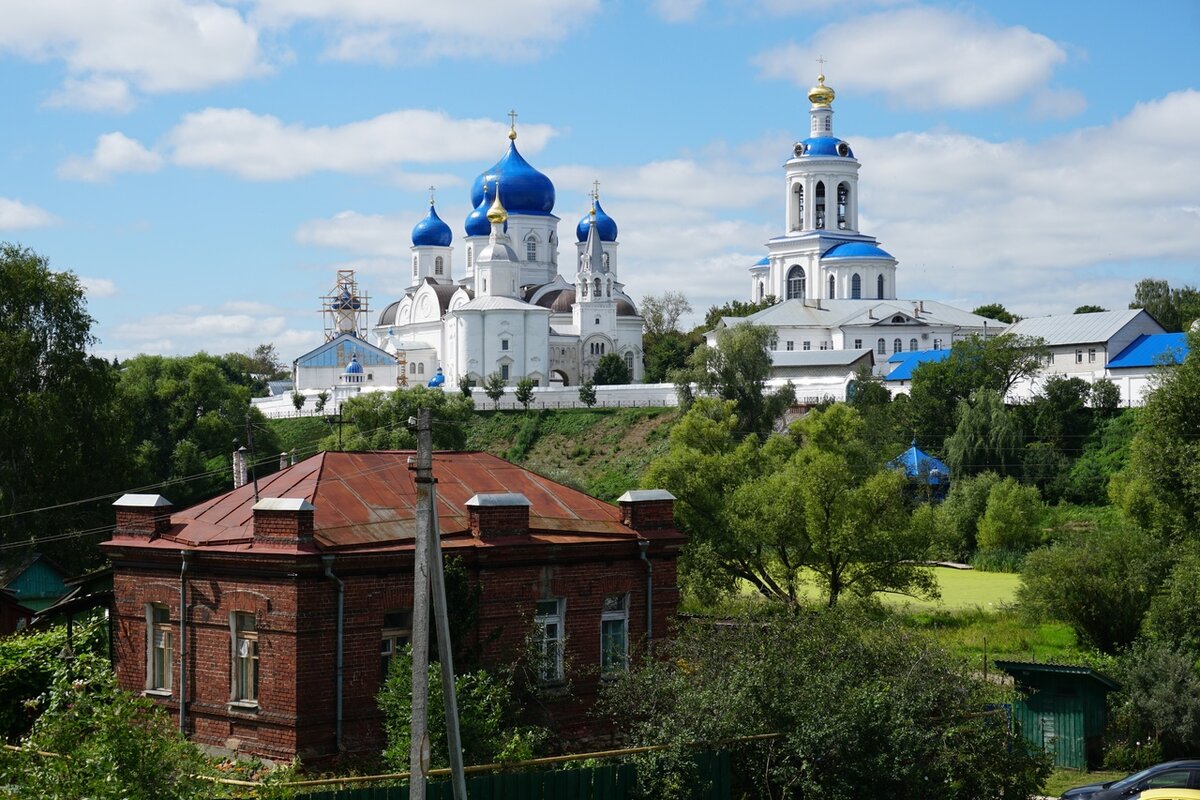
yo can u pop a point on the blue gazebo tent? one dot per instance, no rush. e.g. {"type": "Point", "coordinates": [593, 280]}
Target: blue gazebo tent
{"type": "Point", "coordinates": [920, 466]}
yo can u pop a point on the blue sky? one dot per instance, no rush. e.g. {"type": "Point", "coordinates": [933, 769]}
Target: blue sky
{"type": "Point", "coordinates": [207, 166]}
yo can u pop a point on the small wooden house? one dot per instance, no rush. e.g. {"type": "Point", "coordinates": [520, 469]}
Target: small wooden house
{"type": "Point", "coordinates": [1064, 709]}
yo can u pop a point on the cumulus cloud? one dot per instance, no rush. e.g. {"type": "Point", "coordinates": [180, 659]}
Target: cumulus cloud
{"type": "Point", "coordinates": [114, 153]}
{"type": "Point", "coordinates": [231, 327]}
{"type": "Point", "coordinates": [98, 287]}
{"type": "Point", "coordinates": [15, 215]}
{"type": "Point", "coordinates": [263, 147]}
{"type": "Point", "coordinates": [388, 30]}
{"type": "Point", "coordinates": [923, 58]}
{"type": "Point", "coordinates": [154, 46]}
{"type": "Point", "coordinates": [365, 234]}
{"type": "Point", "coordinates": [677, 10]}
{"type": "Point", "coordinates": [681, 181]}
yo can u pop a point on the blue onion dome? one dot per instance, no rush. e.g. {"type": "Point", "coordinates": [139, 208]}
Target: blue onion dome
{"type": "Point", "coordinates": [477, 222]}
{"type": "Point", "coordinates": [856, 250]}
{"type": "Point", "coordinates": [606, 226]}
{"type": "Point", "coordinates": [354, 368]}
{"type": "Point", "coordinates": [526, 191]}
{"type": "Point", "coordinates": [431, 231]}
{"type": "Point", "coordinates": [823, 146]}
{"type": "Point", "coordinates": [346, 302]}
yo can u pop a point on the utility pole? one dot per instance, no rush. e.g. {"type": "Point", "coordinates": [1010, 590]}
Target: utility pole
{"type": "Point", "coordinates": [441, 616]}
{"type": "Point", "coordinates": [418, 756]}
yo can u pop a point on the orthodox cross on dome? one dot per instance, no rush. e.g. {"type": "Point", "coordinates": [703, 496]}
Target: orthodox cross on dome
{"type": "Point", "coordinates": [512, 124]}
{"type": "Point", "coordinates": [595, 190]}
{"type": "Point", "coordinates": [432, 194]}
{"type": "Point", "coordinates": [821, 62]}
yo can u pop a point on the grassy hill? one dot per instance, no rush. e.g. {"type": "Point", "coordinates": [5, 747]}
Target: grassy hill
{"type": "Point", "coordinates": [600, 451]}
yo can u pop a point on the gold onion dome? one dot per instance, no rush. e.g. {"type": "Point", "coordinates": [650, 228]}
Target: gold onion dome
{"type": "Point", "coordinates": [496, 214]}
{"type": "Point", "coordinates": [821, 95]}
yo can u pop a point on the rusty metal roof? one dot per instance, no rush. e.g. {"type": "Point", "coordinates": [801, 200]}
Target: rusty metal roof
{"type": "Point", "coordinates": [368, 500]}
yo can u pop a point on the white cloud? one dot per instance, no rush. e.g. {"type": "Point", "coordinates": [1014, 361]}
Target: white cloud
{"type": "Point", "coordinates": [683, 182]}
{"type": "Point", "coordinates": [153, 45]}
{"type": "Point", "coordinates": [677, 10]}
{"type": "Point", "coordinates": [262, 147]}
{"type": "Point", "coordinates": [231, 327]}
{"type": "Point", "coordinates": [98, 287]}
{"type": "Point", "coordinates": [114, 153]}
{"type": "Point", "coordinates": [93, 93]}
{"type": "Point", "coordinates": [15, 215]}
{"type": "Point", "coordinates": [923, 58]}
{"type": "Point", "coordinates": [387, 30]}
{"type": "Point", "coordinates": [366, 234]}
{"type": "Point", "coordinates": [985, 220]}
{"type": "Point", "coordinates": [1057, 104]}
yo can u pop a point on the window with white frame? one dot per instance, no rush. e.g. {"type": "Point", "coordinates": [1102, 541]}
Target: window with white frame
{"type": "Point", "coordinates": [881, 347]}
{"type": "Point", "coordinates": [807, 345]}
{"type": "Point", "coordinates": [912, 345]}
{"type": "Point", "coordinates": [414, 266]}
{"type": "Point", "coordinates": [439, 265]}
{"type": "Point", "coordinates": [549, 639]}
{"type": "Point", "coordinates": [897, 346]}
{"type": "Point", "coordinates": [244, 629]}
{"type": "Point", "coordinates": [397, 632]}
{"type": "Point", "coordinates": [937, 344]}
{"type": "Point", "coordinates": [504, 344]}
{"type": "Point", "coordinates": [1078, 356]}
{"type": "Point", "coordinates": [858, 344]}
{"type": "Point", "coordinates": [531, 244]}
{"type": "Point", "coordinates": [1091, 355]}
{"type": "Point", "coordinates": [159, 648]}
{"type": "Point", "coordinates": [791, 345]}
{"type": "Point", "coordinates": [504, 371]}
{"type": "Point", "coordinates": [629, 362]}
{"type": "Point", "coordinates": [470, 258]}
{"type": "Point", "coordinates": [614, 634]}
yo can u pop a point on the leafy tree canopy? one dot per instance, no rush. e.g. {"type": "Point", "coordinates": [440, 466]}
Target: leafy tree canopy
{"type": "Point", "coordinates": [1089, 309]}
{"type": "Point", "coordinates": [735, 308]}
{"type": "Point", "coordinates": [997, 312]}
{"type": "Point", "coordinates": [379, 420]}
{"type": "Point", "coordinates": [867, 709]}
{"type": "Point", "coordinates": [737, 369]}
{"type": "Point", "coordinates": [610, 371]}
{"type": "Point", "coordinates": [1174, 308]}
{"type": "Point", "coordinates": [661, 313]}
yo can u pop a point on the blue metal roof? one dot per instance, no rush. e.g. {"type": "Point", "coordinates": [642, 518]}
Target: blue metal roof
{"type": "Point", "coordinates": [606, 226]}
{"type": "Point", "coordinates": [338, 353]}
{"type": "Point", "coordinates": [1151, 349]}
{"type": "Point", "coordinates": [765, 261]}
{"type": "Point", "coordinates": [856, 250]}
{"type": "Point", "coordinates": [477, 223]}
{"type": "Point", "coordinates": [907, 362]}
{"type": "Point", "coordinates": [916, 463]}
{"type": "Point", "coordinates": [825, 146]}
{"type": "Point", "coordinates": [432, 231]}
{"type": "Point", "coordinates": [523, 190]}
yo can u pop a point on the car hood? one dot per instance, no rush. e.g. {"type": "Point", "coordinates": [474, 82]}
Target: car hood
{"type": "Point", "coordinates": [1083, 792]}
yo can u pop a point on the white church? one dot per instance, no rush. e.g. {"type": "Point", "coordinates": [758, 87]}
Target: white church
{"type": "Point", "coordinates": [835, 284]}
{"type": "Point", "coordinates": [510, 311]}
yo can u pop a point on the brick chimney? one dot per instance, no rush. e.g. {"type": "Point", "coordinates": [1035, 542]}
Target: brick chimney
{"type": "Point", "coordinates": [647, 509]}
{"type": "Point", "coordinates": [143, 516]}
{"type": "Point", "coordinates": [501, 514]}
{"type": "Point", "coordinates": [283, 520]}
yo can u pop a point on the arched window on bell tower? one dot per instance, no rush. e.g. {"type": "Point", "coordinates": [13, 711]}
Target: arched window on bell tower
{"type": "Point", "coordinates": [879, 284]}
{"type": "Point", "coordinates": [856, 286]}
{"type": "Point", "coordinates": [820, 206]}
{"type": "Point", "coordinates": [843, 204]}
{"type": "Point", "coordinates": [832, 288]}
{"type": "Point", "coordinates": [799, 224]}
{"type": "Point", "coordinates": [795, 283]}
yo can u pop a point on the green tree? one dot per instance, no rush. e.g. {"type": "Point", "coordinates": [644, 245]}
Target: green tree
{"type": "Point", "coordinates": [59, 410]}
{"type": "Point", "coordinates": [958, 517]}
{"type": "Point", "coordinates": [866, 709]}
{"type": "Point", "coordinates": [1104, 455]}
{"type": "Point", "coordinates": [661, 313]}
{"type": "Point", "coordinates": [1012, 519]}
{"type": "Point", "coordinates": [666, 353]}
{"type": "Point", "coordinates": [611, 371]}
{"type": "Point", "coordinates": [322, 400]}
{"type": "Point", "coordinates": [1162, 487]}
{"type": "Point", "coordinates": [734, 308]}
{"type": "Point", "coordinates": [1105, 397]}
{"type": "Point", "coordinates": [379, 420]}
{"type": "Point", "coordinates": [994, 364]}
{"type": "Point", "coordinates": [770, 512]}
{"type": "Point", "coordinates": [298, 399]}
{"type": "Point", "coordinates": [465, 385]}
{"type": "Point", "coordinates": [737, 369]}
{"type": "Point", "coordinates": [1159, 698]}
{"type": "Point", "coordinates": [587, 393]}
{"type": "Point", "coordinates": [1175, 309]}
{"type": "Point", "coordinates": [488, 716]}
{"type": "Point", "coordinates": [1099, 582]}
{"type": "Point", "coordinates": [1089, 309]}
{"type": "Point", "coordinates": [986, 438]}
{"type": "Point", "coordinates": [113, 745]}
{"type": "Point", "coordinates": [1174, 615]}
{"type": "Point", "coordinates": [524, 393]}
{"type": "Point", "coordinates": [188, 414]}
{"type": "Point", "coordinates": [493, 387]}
{"type": "Point", "coordinates": [997, 312]}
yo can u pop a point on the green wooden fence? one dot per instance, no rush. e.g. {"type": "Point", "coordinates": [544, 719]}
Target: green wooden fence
{"type": "Point", "coordinates": [604, 782]}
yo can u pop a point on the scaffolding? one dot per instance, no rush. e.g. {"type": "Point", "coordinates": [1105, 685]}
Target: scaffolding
{"type": "Point", "coordinates": [345, 309]}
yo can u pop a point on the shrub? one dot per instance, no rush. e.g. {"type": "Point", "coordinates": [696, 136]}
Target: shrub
{"type": "Point", "coordinates": [1012, 519]}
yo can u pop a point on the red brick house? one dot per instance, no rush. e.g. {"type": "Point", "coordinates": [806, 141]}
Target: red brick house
{"type": "Point", "coordinates": [253, 657]}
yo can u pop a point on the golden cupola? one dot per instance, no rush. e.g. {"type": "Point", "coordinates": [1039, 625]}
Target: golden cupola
{"type": "Point", "coordinates": [821, 95]}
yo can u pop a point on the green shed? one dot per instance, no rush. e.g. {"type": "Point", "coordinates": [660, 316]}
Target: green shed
{"type": "Point", "coordinates": [1064, 709]}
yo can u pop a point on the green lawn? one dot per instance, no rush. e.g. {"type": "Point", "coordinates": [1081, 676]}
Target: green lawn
{"type": "Point", "coordinates": [965, 589]}
{"type": "Point", "coordinates": [1062, 779]}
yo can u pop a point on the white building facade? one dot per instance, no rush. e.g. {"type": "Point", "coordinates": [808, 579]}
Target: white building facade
{"type": "Point", "coordinates": [509, 310]}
